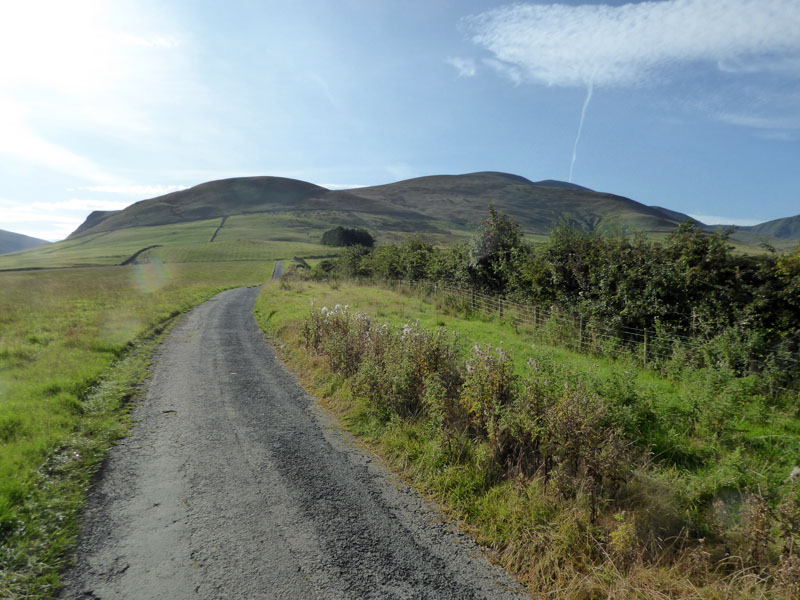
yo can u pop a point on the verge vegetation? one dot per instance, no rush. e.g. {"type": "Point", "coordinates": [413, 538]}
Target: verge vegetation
{"type": "Point", "coordinates": [74, 346]}
{"type": "Point", "coordinates": [743, 310]}
{"type": "Point", "coordinates": [588, 477]}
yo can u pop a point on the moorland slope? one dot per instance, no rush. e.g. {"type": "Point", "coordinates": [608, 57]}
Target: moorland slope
{"type": "Point", "coordinates": [14, 242]}
{"type": "Point", "coordinates": [449, 202]}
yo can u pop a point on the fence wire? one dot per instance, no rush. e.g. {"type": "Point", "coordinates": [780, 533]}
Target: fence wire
{"type": "Point", "coordinates": [555, 325]}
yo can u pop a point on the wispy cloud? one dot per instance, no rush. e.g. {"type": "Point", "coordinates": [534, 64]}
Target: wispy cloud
{"type": "Point", "coordinates": [508, 70]}
{"type": "Point", "coordinates": [716, 220]}
{"type": "Point", "coordinates": [325, 88]}
{"type": "Point", "coordinates": [140, 191]}
{"type": "Point", "coordinates": [46, 225]}
{"type": "Point", "coordinates": [464, 66]}
{"type": "Point", "coordinates": [563, 45]}
{"type": "Point", "coordinates": [80, 204]}
{"type": "Point", "coordinates": [20, 140]}
{"type": "Point", "coordinates": [342, 186]}
{"type": "Point", "coordinates": [783, 125]}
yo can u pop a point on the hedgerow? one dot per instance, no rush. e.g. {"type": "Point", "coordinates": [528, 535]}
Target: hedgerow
{"type": "Point", "coordinates": [582, 452]}
{"type": "Point", "coordinates": [743, 312]}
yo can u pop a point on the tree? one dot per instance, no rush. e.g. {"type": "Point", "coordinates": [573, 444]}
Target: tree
{"type": "Point", "coordinates": [496, 252]}
{"type": "Point", "coordinates": [346, 236]}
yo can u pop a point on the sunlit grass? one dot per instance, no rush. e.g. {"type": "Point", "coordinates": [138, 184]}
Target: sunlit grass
{"type": "Point", "coordinates": [109, 248]}
{"type": "Point", "coordinates": [62, 332]}
{"type": "Point", "coordinates": [238, 251]}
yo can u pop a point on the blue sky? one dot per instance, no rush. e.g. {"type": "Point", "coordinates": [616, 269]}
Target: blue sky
{"type": "Point", "coordinates": [689, 104]}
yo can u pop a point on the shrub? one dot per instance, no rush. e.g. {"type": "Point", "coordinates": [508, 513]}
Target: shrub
{"type": "Point", "coordinates": [346, 236]}
{"type": "Point", "coordinates": [489, 390]}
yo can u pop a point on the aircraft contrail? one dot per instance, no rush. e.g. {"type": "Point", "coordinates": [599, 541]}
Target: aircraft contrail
{"type": "Point", "coordinates": [589, 92]}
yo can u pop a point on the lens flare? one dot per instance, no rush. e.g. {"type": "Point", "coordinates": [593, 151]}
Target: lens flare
{"type": "Point", "coordinates": [150, 276]}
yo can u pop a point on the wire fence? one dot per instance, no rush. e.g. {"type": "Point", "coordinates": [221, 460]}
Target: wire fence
{"type": "Point", "coordinates": [568, 328]}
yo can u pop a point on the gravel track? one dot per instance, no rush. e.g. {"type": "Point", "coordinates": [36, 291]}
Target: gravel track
{"type": "Point", "coordinates": [234, 483]}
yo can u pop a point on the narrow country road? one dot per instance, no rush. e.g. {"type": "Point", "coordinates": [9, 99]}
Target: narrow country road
{"type": "Point", "coordinates": [234, 484]}
{"type": "Point", "coordinates": [278, 272]}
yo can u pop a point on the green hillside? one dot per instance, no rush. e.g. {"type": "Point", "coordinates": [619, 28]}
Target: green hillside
{"type": "Point", "coordinates": [247, 195]}
{"type": "Point", "coordinates": [439, 204]}
{"type": "Point", "coordinates": [274, 214]}
{"type": "Point", "coordinates": [14, 242]}
{"type": "Point", "coordinates": [786, 229]}
{"type": "Point", "coordinates": [441, 207]}
{"type": "Point", "coordinates": [462, 199]}
{"type": "Point", "coordinates": [177, 243]}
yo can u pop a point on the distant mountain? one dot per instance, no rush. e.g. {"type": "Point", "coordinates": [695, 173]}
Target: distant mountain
{"type": "Point", "coordinates": [787, 228]}
{"type": "Point", "coordinates": [442, 204]}
{"type": "Point", "coordinates": [243, 195]}
{"type": "Point", "coordinates": [538, 206]}
{"type": "Point", "coordinates": [14, 242]}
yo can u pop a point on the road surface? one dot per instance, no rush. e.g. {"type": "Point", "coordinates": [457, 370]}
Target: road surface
{"type": "Point", "coordinates": [278, 272]}
{"type": "Point", "coordinates": [235, 484]}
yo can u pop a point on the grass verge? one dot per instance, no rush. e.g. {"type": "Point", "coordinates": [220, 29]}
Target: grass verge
{"type": "Point", "coordinates": [75, 345]}
{"type": "Point", "coordinates": [704, 509]}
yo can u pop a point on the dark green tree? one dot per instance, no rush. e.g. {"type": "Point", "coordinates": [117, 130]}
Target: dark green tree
{"type": "Point", "coordinates": [346, 236]}
{"type": "Point", "coordinates": [496, 252]}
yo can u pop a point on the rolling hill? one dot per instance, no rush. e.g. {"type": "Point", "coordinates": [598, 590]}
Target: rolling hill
{"type": "Point", "coordinates": [250, 218]}
{"type": "Point", "coordinates": [245, 195]}
{"type": "Point", "coordinates": [14, 242]}
{"type": "Point", "coordinates": [787, 228]}
{"type": "Point", "coordinates": [438, 203]}
{"type": "Point", "coordinates": [537, 206]}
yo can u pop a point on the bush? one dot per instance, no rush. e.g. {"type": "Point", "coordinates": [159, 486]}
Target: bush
{"type": "Point", "coordinates": [535, 427]}
{"type": "Point", "coordinates": [345, 236]}
{"type": "Point", "coordinates": [489, 390]}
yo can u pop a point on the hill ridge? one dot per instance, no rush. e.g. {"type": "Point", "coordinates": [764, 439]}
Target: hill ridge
{"type": "Point", "coordinates": [423, 204]}
{"type": "Point", "coordinates": [11, 241]}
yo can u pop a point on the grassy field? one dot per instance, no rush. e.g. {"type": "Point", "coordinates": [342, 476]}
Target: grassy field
{"type": "Point", "coordinates": [109, 248]}
{"type": "Point", "coordinates": [182, 242]}
{"type": "Point", "coordinates": [705, 449]}
{"type": "Point", "coordinates": [74, 346]}
{"type": "Point", "coordinates": [278, 235]}
{"type": "Point", "coordinates": [238, 251]}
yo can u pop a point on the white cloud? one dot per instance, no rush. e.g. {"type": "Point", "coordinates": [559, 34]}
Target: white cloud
{"type": "Point", "coordinates": [759, 122]}
{"type": "Point", "coordinates": [508, 70]}
{"type": "Point", "coordinates": [342, 186]}
{"type": "Point", "coordinates": [18, 139]}
{"type": "Point", "coordinates": [81, 204]}
{"type": "Point", "coordinates": [562, 45]}
{"type": "Point", "coordinates": [715, 220]}
{"type": "Point", "coordinates": [465, 66]}
{"type": "Point", "coordinates": [778, 65]}
{"type": "Point", "coordinates": [778, 128]}
{"type": "Point", "coordinates": [140, 191]}
{"type": "Point", "coordinates": [47, 225]}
